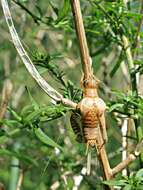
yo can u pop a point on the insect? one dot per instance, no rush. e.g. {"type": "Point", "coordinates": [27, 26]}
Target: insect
{"type": "Point", "coordinates": [92, 118]}
{"type": "Point", "coordinates": [91, 109]}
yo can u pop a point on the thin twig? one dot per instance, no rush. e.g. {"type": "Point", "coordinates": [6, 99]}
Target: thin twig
{"type": "Point", "coordinates": [35, 18]}
{"type": "Point", "coordinates": [131, 157]}
{"type": "Point", "coordinates": [86, 60]}
{"type": "Point", "coordinates": [103, 158]}
{"type": "Point", "coordinates": [20, 180]}
{"type": "Point", "coordinates": [64, 178]}
{"type": "Point", "coordinates": [123, 164]}
{"type": "Point", "coordinates": [124, 130]}
{"type": "Point", "coordinates": [52, 93]}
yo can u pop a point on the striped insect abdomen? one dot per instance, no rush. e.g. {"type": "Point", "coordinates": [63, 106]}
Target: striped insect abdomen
{"type": "Point", "coordinates": [90, 111]}
{"type": "Point", "coordinates": [90, 124]}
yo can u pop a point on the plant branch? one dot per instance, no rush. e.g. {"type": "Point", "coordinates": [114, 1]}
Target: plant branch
{"type": "Point", "coordinates": [133, 78]}
{"type": "Point", "coordinates": [52, 93]}
{"type": "Point", "coordinates": [123, 164]}
{"type": "Point", "coordinates": [131, 157]}
{"type": "Point", "coordinates": [103, 157]}
{"type": "Point", "coordinates": [130, 61]}
{"type": "Point", "coordinates": [127, 49]}
{"type": "Point", "coordinates": [20, 180]}
{"type": "Point", "coordinates": [124, 130]}
{"type": "Point", "coordinates": [34, 17]}
{"type": "Point", "coordinates": [85, 57]}
{"type": "Point", "coordinates": [88, 75]}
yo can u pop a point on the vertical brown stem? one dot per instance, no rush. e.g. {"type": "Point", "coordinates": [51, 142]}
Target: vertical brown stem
{"type": "Point", "coordinates": [102, 155]}
{"type": "Point", "coordinates": [85, 57]}
{"type": "Point", "coordinates": [20, 180]}
{"type": "Point", "coordinates": [87, 69]}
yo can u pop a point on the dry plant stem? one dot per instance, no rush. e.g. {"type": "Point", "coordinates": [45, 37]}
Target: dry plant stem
{"type": "Point", "coordinates": [131, 157]}
{"type": "Point", "coordinates": [6, 93]}
{"type": "Point", "coordinates": [103, 157]}
{"type": "Point", "coordinates": [88, 74]}
{"type": "Point", "coordinates": [52, 93]}
{"type": "Point", "coordinates": [123, 164]}
{"type": "Point", "coordinates": [86, 60]}
{"type": "Point", "coordinates": [20, 180]}
{"type": "Point", "coordinates": [124, 130]}
{"type": "Point", "coordinates": [108, 173]}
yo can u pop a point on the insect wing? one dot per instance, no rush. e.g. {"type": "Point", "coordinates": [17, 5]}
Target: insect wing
{"type": "Point", "coordinates": [75, 121]}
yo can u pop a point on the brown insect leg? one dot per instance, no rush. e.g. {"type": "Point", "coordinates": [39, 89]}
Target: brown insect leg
{"type": "Point", "coordinates": [88, 162]}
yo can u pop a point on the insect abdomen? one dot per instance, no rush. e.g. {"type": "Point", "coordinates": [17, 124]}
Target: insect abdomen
{"type": "Point", "coordinates": [90, 124]}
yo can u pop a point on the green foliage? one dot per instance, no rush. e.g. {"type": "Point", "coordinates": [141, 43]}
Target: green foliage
{"type": "Point", "coordinates": [139, 68]}
{"type": "Point", "coordinates": [128, 104]}
{"type": "Point", "coordinates": [46, 61]}
{"type": "Point", "coordinates": [45, 139]}
{"type": "Point", "coordinates": [30, 116]}
{"type": "Point", "coordinates": [61, 13]}
{"type": "Point", "coordinates": [133, 182]}
{"type": "Point", "coordinates": [18, 155]}
{"type": "Point", "coordinates": [47, 150]}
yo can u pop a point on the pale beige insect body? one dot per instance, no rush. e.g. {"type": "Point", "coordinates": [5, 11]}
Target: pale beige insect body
{"type": "Point", "coordinates": [91, 110]}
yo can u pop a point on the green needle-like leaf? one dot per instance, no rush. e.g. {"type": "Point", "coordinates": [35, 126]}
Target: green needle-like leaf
{"type": "Point", "coordinates": [45, 139]}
